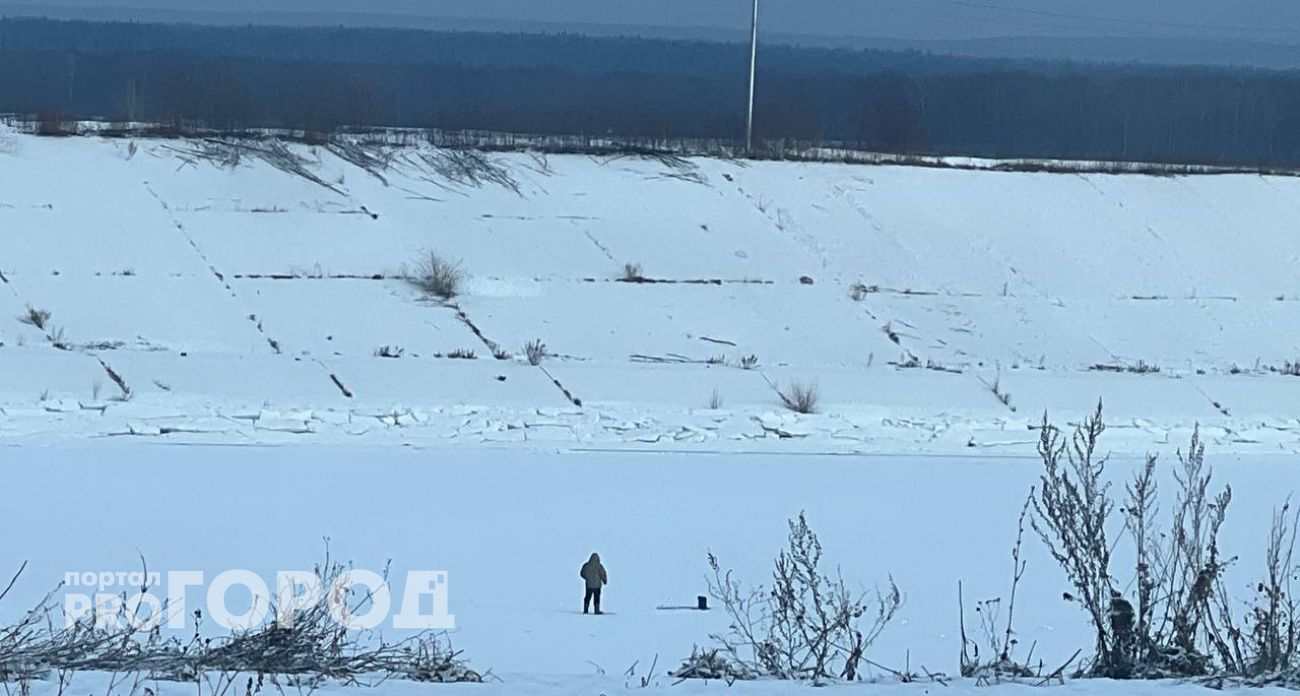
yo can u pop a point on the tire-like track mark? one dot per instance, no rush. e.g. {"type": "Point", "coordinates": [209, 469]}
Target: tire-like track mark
{"type": "Point", "coordinates": [222, 278]}
{"type": "Point", "coordinates": [495, 348]}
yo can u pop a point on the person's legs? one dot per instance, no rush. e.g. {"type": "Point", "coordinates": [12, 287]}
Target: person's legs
{"type": "Point", "coordinates": [596, 593]}
{"type": "Point", "coordinates": [586, 601]}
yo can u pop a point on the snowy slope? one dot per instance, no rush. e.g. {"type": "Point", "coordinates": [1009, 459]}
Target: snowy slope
{"type": "Point", "coordinates": [243, 298]}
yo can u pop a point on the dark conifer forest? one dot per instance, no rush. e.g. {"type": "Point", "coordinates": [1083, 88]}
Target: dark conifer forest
{"type": "Point", "coordinates": [906, 102]}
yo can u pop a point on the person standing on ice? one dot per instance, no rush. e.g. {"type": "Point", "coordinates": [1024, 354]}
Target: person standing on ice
{"type": "Point", "coordinates": [593, 573]}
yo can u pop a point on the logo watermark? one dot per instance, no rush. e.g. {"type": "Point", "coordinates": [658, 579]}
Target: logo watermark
{"type": "Point", "coordinates": [353, 598]}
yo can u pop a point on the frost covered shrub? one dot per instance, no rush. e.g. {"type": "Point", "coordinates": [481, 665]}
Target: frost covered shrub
{"type": "Point", "coordinates": [431, 659]}
{"type": "Point", "coordinates": [1156, 632]}
{"type": "Point", "coordinates": [800, 398]}
{"type": "Point", "coordinates": [632, 273]}
{"type": "Point", "coordinates": [437, 276]}
{"type": "Point", "coordinates": [35, 317]}
{"type": "Point", "coordinates": [313, 644]}
{"type": "Point", "coordinates": [998, 662]}
{"type": "Point", "coordinates": [1290, 367]}
{"type": "Point", "coordinates": [1178, 620]}
{"type": "Point", "coordinates": [1271, 635]}
{"type": "Point", "coordinates": [808, 626]}
{"type": "Point", "coordinates": [311, 648]}
{"type": "Point", "coordinates": [535, 351]}
{"type": "Point", "coordinates": [712, 663]}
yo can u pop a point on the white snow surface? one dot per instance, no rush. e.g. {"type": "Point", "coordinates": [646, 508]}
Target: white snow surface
{"type": "Point", "coordinates": [229, 296]}
{"type": "Point", "coordinates": [239, 303]}
{"type": "Point", "coordinates": [512, 527]}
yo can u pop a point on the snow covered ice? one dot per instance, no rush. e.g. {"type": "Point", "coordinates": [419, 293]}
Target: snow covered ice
{"type": "Point", "coordinates": [232, 366]}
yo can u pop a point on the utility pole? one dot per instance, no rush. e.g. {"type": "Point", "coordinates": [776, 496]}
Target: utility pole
{"type": "Point", "coordinates": [753, 66]}
{"type": "Point", "coordinates": [72, 81]}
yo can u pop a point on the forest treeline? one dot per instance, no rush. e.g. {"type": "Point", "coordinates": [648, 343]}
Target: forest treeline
{"type": "Point", "coordinates": [906, 102]}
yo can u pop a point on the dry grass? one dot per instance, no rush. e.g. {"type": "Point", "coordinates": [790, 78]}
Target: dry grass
{"type": "Point", "coordinates": [437, 276]}
{"type": "Point", "coordinates": [536, 352]}
{"type": "Point", "coordinates": [1290, 368]}
{"type": "Point", "coordinates": [800, 398]}
{"type": "Point", "coordinates": [35, 317]}
{"type": "Point", "coordinates": [632, 272]}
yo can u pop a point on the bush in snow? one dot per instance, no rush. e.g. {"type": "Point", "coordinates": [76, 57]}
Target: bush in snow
{"type": "Point", "coordinates": [632, 273]}
{"type": "Point", "coordinates": [312, 647]}
{"type": "Point", "coordinates": [430, 659]}
{"type": "Point", "coordinates": [800, 398]}
{"type": "Point", "coordinates": [437, 276]}
{"type": "Point", "coordinates": [1272, 636]}
{"type": "Point", "coordinates": [1290, 367]}
{"type": "Point", "coordinates": [1179, 620]}
{"type": "Point", "coordinates": [314, 644]}
{"type": "Point", "coordinates": [808, 626]}
{"type": "Point", "coordinates": [535, 351]}
{"type": "Point", "coordinates": [712, 664]}
{"type": "Point", "coordinates": [998, 662]}
{"type": "Point", "coordinates": [35, 317]}
{"type": "Point", "coordinates": [999, 393]}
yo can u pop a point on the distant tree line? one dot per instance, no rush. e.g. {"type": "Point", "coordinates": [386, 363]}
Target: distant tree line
{"type": "Point", "coordinates": [324, 78]}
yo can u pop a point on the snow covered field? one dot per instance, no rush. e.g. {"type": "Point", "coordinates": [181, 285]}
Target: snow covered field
{"type": "Point", "coordinates": [205, 385]}
{"type": "Point", "coordinates": [929, 522]}
{"type": "Point", "coordinates": [243, 298]}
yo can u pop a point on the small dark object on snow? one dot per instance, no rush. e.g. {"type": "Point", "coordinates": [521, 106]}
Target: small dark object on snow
{"type": "Point", "coordinates": [701, 604]}
{"type": "Point", "coordinates": [501, 378]}
{"type": "Point", "coordinates": [806, 280]}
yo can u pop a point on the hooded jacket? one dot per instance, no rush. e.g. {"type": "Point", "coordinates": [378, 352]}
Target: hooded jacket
{"type": "Point", "coordinates": [594, 573]}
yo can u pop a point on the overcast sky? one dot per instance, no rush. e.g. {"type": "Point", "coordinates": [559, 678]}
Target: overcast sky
{"type": "Point", "coordinates": [1259, 20]}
